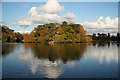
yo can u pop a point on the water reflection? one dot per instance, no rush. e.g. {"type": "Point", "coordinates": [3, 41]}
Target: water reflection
{"type": "Point", "coordinates": [7, 49]}
{"type": "Point", "coordinates": [101, 44]}
{"type": "Point", "coordinates": [104, 52]}
{"type": "Point", "coordinates": [51, 60]}
{"type": "Point", "coordinates": [48, 59]}
{"type": "Point", "coordinates": [43, 66]}
{"type": "Point", "coordinates": [55, 52]}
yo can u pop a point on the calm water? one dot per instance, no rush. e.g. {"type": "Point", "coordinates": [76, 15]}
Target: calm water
{"type": "Point", "coordinates": [98, 60]}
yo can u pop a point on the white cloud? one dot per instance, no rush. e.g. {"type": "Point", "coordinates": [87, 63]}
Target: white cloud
{"type": "Point", "coordinates": [102, 25]}
{"type": "Point", "coordinates": [47, 13]}
{"type": "Point", "coordinates": [52, 7]}
{"type": "Point", "coordinates": [70, 17]}
{"type": "Point", "coordinates": [23, 32]}
{"type": "Point", "coordinates": [33, 11]}
{"type": "Point", "coordinates": [45, 18]}
{"type": "Point", "coordinates": [24, 23]}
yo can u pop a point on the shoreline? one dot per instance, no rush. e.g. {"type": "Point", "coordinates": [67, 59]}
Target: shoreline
{"type": "Point", "coordinates": [118, 42]}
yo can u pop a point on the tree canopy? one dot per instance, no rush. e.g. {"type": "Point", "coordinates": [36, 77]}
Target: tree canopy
{"type": "Point", "coordinates": [52, 32]}
{"type": "Point", "coordinates": [57, 33]}
{"type": "Point", "coordinates": [8, 35]}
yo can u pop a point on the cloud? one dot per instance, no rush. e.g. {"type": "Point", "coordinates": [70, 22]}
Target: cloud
{"type": "Point", "coordinates": [24, 23]}
{"type": "Point", "coordinates": [102, 25]}
{"type": "Point", "coordinates": [23, 32]}
{"type": "Point", "coordinates": [70, 17]}
{"type": "Point", "coordinates": [47, 13]}
{"type": "Point", "coordinates": [33, 11]}
{"type": "Point", "coordinates": [51, 7]}
{"type": "Point", "coordinates": [45, 18]}
{"type": "Point", "coordinates": [119, 24]}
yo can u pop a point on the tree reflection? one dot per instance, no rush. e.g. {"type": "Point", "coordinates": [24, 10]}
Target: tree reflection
{"type": "Point", "coordinates": [48, 60]}
{"type": "Point", "coordinates": [7, 49]}
{"type": "Point", "coordinates": [101, 44]}
{"type": "Point", "coordinates": [65, 52]}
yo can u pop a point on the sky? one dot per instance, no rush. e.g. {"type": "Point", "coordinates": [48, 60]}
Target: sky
{"type": "Point", "coordinates": [61, 0]}
{"type": "Point", "coordinates": [94, 16]}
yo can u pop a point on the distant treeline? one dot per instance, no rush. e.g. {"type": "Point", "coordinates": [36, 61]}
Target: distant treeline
{"type": "Point", "coordinates": [53, 32]}
{"type": "Point", "coordinates": [106, 37]}
{"type": "Point", "coordinates": [8, 35]}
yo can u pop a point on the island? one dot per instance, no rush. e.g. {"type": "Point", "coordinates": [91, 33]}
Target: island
{"type": "Point", "coordinates": [55, 33]}
{"type": "Point", "coordinates": [50, 33]}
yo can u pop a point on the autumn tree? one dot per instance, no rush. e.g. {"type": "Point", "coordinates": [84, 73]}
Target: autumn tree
{"type": "Point", "coordinates": [8, 35]}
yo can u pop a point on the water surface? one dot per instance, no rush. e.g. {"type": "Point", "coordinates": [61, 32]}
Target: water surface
{"type": "Point", "coordinates": [81, 60]}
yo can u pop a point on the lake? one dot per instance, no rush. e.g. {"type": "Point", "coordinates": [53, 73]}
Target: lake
{"type": "Point", "coordinates": [80, 60]}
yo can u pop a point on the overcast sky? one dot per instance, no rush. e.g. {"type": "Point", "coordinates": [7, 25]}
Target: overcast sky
{"type": "Point", "coordinates": [94, 16]}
